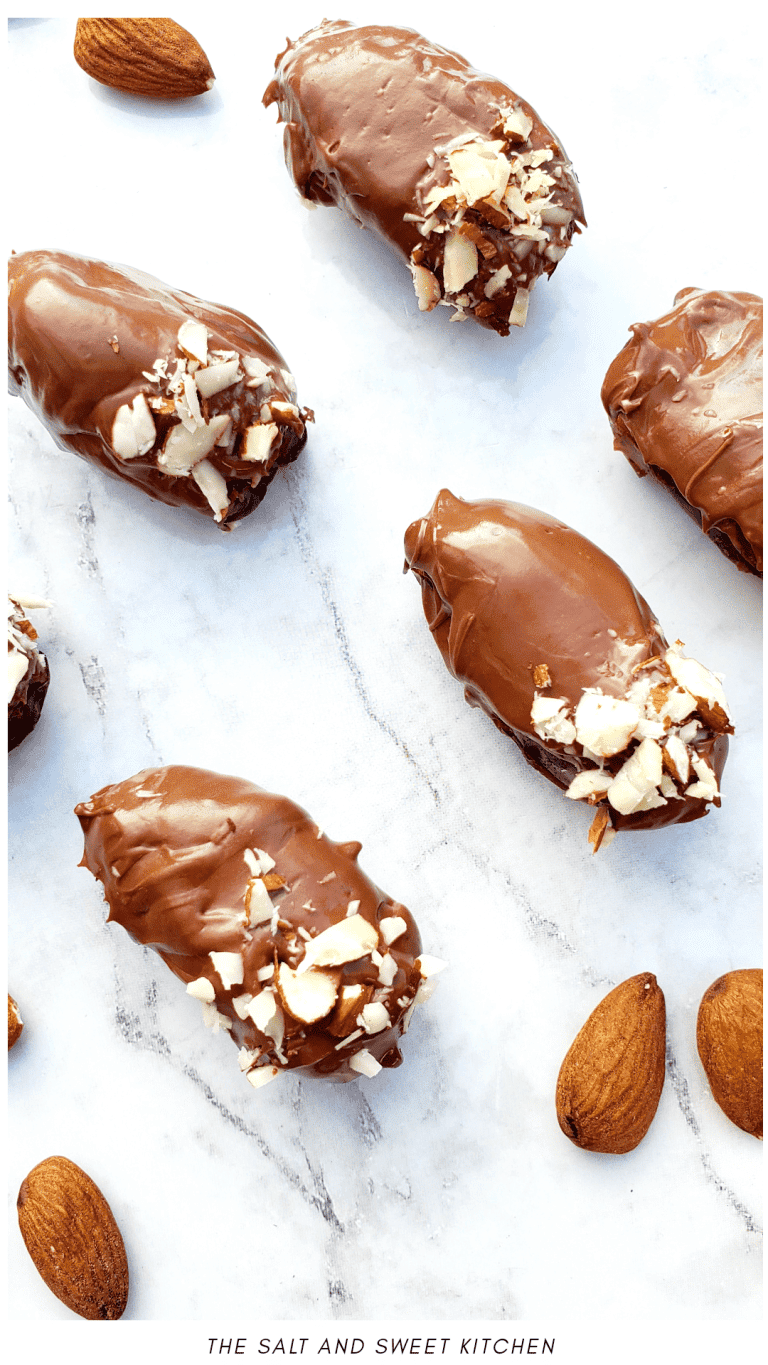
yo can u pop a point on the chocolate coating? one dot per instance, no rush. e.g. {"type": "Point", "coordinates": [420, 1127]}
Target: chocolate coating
{"type": "Point", "coordinates": [685, 402]}
{"type": "Point", "coordinates": [28, 672]}
{"type": "Point", "coordinates": [385, 124]}
{"type": "Point", "coordinates": [522, 607]}
{"type": "Point", "coordinates": [179, 852]}
{"type": "Point", "coordinates": [96, 351]}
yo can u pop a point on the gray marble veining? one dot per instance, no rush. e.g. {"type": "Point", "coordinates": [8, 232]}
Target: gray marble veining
{"type": "Point", "coordinates": [293, 652]}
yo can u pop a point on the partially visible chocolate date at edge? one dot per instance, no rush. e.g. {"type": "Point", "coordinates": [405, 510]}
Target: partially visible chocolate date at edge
{"type": "Point", "coordinates": [28, 672]}
{"type": "Point", "coordinates": [685, 402]}
{"type": "Point", "coordinates": [188, 400]}
{"type": "Point", "coordinates": [553, 642]}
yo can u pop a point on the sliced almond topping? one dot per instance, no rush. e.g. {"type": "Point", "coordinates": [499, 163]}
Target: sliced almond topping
{"type": "Point", "coordinates": [133, 430]}
{"type": "Point", "coordinates": [309, 995]}
{"type": "Point", "coordinates": [213, 1019]}
{"type": "Point", "coordinates": [520, 308]}
{"type": "Point", "coordinates": [229, 967]}
{"type": "Point", "coordinates": [391, 928]}
{"type": "Point", "coordinates": [706, 788]}
{"type": "Point", "coordinates": [605, 724]}
{"type": "Point", "coordinates": [267, 1016]}
{"type": "Point", "coordinates": [430, 966]}
{"type": "Point", "coordinates": [600, 831]}
{"type": "Point", "coordinates": [262, 1075]}
{"type": "Point", "coordinates": [346, 941]}
{"type": "Point", "coordinates": [388, 969]}
{"type": "Point", "coordinates": [217, 377]}
{"type": "Point", "coordinates": [637, 778]}
{"type": "Point", "coordinates": [257, 371]}
{"type": "Point", "coordinates": [267, 862]}
{"type": "Point", "coordinates": [213, 486]}
{"type": "Point", "coordinates": [183, 449]}
{"type": "Point", "coordinates": [193, 340]}
{"type": "Point", "coordinates": [427, 287]}
{"type": "Point", "coordinates": [590, 783]}
{"type": "Point", "coordinates": [351, 1000]}
{"type": "Point", "coordinates": [459, 262]}
{"type": "Point", "coordinates": [676, 759]}
{"type": "Point", "coordinates": [517, 125]}
{"type": "Point", "coordinates": [202, 989]}
{"type": "Point", "coordinates": [365, 1063]}
{"type": "Point", "coordinates": [496, 282]}
{"type": "Point", "coordinates": [374, 1017]}
{"type": "Point", "coordinates": [258, 441]}
{"type": "Point", "coordinates": [550, 720]}
{"type": "Point", "coordinates": [557, 215]}
{"type": "Point", "coordinates": [240, 1004]}
{"type": "Point", "coordinates": [258, 906]}
{"type": "Point", "coordinates": [704, 686]}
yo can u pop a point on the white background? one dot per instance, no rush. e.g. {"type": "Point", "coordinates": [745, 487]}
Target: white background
{"type": "Point", "coordinates": [294, 653]}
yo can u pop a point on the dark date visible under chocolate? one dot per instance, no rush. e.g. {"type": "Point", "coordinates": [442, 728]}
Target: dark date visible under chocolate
{"type": "Point", "coordinates": [456, 172]}
{"type": "Point", "coordinates": [270, 924]}
{"type": "Point", "coordinates": [28, 673]}
{"type": "Point", "coordinates": [188, 400]}
{"type": "Point", "coordinates": [554, 643]}
{"type": "Point", "coordinates": [685, 402]}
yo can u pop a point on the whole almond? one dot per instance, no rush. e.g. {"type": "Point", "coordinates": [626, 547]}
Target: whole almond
{"type": "Point", "coordinates": [15, 1023]}
{"type": "Point", "coordinates": [610, 1083]}
{"type": "Point", "coordinates": [154, 57]}
{"type": "Point", "coordinates": [71, 1234]}
{"type": "Point", "coordinates": [729, 1035]}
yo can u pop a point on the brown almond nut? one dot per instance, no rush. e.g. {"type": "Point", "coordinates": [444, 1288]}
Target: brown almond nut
{"type": "Point", "coordinates": [610, 1083]}
{"type": "Point", "coordinates": [71, 1234]}
{"type": "Point", "coordinates": [729, 1036]}
{"type": "Point", "coordinates": [154, 57]}
{"type": "Point", "coordinates": [15, 1023]}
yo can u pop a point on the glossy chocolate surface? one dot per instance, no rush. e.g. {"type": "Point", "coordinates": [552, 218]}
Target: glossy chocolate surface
{"type": "Point", "coordinates": [508, 592]}
{"type": "Point", "coordinates": [373, 116]}
{"type": "Point", "coordinates": [175, 849]}
{"type": "Point", "coordinates": [685, 402]}
{"type": "Point", "coordinates": [95, 351]}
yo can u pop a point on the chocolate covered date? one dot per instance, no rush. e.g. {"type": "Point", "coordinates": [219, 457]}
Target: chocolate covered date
{"type": "Point", "coordinates": [28, 673]}
{"type": "Point", "coordinates": [456, 172]}
{"type": "Point", "coordinates": [271, 925]}
{"type": "Point", "coordinates": [554, 643]}
{"type": "Point", "coordinates": [188, 400]}
{"type": "Point", "coordinates": [685, 402]}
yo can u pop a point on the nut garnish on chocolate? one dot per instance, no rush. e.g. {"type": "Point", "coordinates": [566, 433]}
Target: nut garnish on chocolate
{"type": "Point", "coordinates": [455, 171]}
{"type": "Point", "coordinates": [272, 926]}
{"type": "Point", "coordinates": [188, 400]}
{"type": "Point", "coordinates": [553, 642]}
{"type": "Point", "coordinates": [685, 402]}
{"type": "Point", "coordinates": [28, 672]}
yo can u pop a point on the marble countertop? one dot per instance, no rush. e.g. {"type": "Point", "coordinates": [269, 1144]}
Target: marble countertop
{"type": "Point", "coordinates": [294, 653]}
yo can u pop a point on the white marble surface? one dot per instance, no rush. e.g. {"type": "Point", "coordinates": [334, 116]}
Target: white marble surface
{"type": "Point", "coordinates": [294, 653]}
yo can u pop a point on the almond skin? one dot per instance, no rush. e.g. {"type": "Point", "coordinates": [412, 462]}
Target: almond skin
{"type": "Point", "coordinates": [610, 1083]}
{"type": "Point", "coordinates": [71, 1234]}
{"type": "Point", "coordinates": [15, 1023]}
{"type": "Point", "coordinates": [154, 57]}
{"type": "Point", "coordinates": [729, 1036]}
